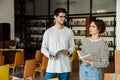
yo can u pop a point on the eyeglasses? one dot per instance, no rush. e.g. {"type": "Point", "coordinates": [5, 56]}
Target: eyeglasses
{"type": "Point", "coordinates": [62, 16]}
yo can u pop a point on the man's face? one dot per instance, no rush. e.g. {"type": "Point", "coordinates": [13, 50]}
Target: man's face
{"type": "Point", "coordinates": [60, 19]}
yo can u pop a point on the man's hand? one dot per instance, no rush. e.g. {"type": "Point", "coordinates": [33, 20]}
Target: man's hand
{"type": "Point", "coordinates": [53, 56]}
{"type": "Point", "coordinates": [65, 52]}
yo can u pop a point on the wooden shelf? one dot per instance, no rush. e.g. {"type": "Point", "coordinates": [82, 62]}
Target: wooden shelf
{"type": "Point", "coordinates": [78, 25]}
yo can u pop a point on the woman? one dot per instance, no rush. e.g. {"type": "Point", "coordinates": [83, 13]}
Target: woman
{"type": "Point", "coordinates": [90, 69]}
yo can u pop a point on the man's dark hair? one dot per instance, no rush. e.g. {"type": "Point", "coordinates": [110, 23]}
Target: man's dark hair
{"type": "Point", "coordinates": [59, 10]}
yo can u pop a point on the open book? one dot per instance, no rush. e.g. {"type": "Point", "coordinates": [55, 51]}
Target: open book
{"type": "Point", "coordinates": [85, 56]}
{"type": "Point", "coordinates": [59, 51]}
{"type": "Point", "coordinates": [56, 55]}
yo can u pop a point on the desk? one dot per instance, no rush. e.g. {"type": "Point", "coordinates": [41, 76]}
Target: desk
{"type": "Point", "coordinates": [9, 54]}
{"type": "Point", "coordinates": [11, 49]}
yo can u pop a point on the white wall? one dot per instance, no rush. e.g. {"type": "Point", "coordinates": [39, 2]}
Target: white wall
{"type": "Point", "coordinates": [118, 25]}
{"type": "Point", "coordinates": [7, 14]}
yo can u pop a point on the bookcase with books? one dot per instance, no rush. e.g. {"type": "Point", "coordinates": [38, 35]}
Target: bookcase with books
{"type": "Point", "coordinates": [79, 26]}
{"type": "Point", "coordinates": [35, 28]}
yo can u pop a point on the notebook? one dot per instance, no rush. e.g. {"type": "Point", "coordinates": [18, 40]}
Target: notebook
{"type": "Point", "coordinates": [84, 55]}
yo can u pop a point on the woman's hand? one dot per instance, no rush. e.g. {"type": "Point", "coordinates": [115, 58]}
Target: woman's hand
{"type": "Point", "coordinates": [88, 61]}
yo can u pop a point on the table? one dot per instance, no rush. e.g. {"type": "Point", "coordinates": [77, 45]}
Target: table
{"type": "Point", "coordinates": [9, 54]}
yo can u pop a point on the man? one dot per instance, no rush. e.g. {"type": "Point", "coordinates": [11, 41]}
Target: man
{"type": "Point", "coordinates": [57, 45]}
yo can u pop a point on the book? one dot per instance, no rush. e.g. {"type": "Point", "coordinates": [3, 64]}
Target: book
{"type": "Point", "coordinates": [59, 52]}
{"type": "Point", "coordinates": [84, 55]}
{"type": "Point", "coordinates": [56, 55]}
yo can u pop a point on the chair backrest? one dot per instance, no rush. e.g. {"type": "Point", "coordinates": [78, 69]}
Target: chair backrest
{"type": "Point", "coordinates": [44, 62]}
{"type": "Point", "coordinates": [19, 58]}
{"type": "Point", "coordinates": [4, 72]}
{"type": "Point", "coordinates": [117, 61]}
{"type": "Point", "coordinates": [54, 79]}
{"type": "Point", "coordinates": [38, 56]}
{"type": "Point", "coordinates": [29, 69]}
{"type": "Point", "coordinates": [1, 44]}
{"type": "Point", "coordinates": [110, 76]}
{"type": "Point", "coordinates": [1, 60]}
{"type": "Point", "coordinates": [74, 55]}
{"type": "Point", "coordinates": [1, 52]}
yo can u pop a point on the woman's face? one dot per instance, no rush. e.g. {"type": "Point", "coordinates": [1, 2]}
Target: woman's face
{"type": "Point", "coordinates": [93, 29]}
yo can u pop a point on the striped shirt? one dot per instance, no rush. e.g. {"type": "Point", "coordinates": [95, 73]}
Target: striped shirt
{"type": "Point", "coordinates": [97, 48]}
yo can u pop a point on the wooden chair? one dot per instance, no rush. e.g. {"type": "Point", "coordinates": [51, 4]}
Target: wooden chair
{"type": "Point", "coordinates": [1, 60]}
{"type": "Point", "coordinates": [19, 61]}
{"type": "Point", "coordinates": [1, 52]}
{"type": "Point", "coordinates": [38, 57]}
{"type": "Point", "coordinates": [42, 67]}
{"type": "Point", "coordinates": [117, 61]}
{"type": "Point", "coordinates": [109, 76]}
{"type": "Point", "coordinates": [54, 79]}
{"type": "Point", "coordinates": [1, 44]}
{"type": "Point", "coordinates": [4, 72]}
{"type": "Point", "coordinates": [74, 55]}
{"type": "Point", "coordinates": [29, 71]}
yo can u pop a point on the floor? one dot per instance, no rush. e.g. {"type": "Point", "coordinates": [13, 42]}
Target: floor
{"type": "Point", "coordinates": [75, 70]}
